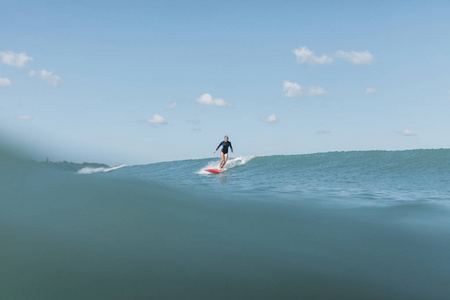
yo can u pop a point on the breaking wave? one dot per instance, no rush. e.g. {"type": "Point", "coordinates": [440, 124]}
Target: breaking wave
{"type": "Point", "coordinates": [234, 162]}
{"type": "Point", "coordinates": [99, 170]}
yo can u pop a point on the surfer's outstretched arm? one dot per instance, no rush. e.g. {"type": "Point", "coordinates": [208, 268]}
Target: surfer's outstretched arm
{"type": "Point", "coordinates": [218, 146]}
{"type": "Point", "coordinates": [232, 152]}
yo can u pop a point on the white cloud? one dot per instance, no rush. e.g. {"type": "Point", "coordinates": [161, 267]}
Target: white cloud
{"type": "Point", "coordinates": [157, 119]}
{"type": "Point", "coordinates": [171, 105]}
{"type": "Point", "coordinates": [269, 119]}
{"type": "Point", "coordinates": [406, 132]}
{"type": "Point", "coordinates": [48, 76]}
{"type": "Point", "coordinates": [51, 78]}
{"type": "Point", "coordinates": [5, 81]}
{"type": "Point", "coordinates": [294, 90]}
{"type": "Point", "coordinates": [356, 58]}
{"type": "Point", "coordinates": [14, 59]}
{"type": "Point", "coordinates": [306, 56]}
{"type": "Point", "coordinates": [370, 91]}
{"type": "Point", "coordinates": [207, 99]}
{"type": "Point", "coordinates": [322, 131]}
{"type": "Point", "coordinates": [316, 91]}
{"type": "Point", "coordinates": [24, 117]}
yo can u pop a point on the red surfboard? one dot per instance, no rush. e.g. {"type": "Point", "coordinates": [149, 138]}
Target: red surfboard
{"type": "Point", "coordinates": [213, 170]}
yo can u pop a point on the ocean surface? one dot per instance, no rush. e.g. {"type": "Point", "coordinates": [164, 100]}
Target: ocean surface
{"type": "Point", "coordinates": [353, 178]}
{"type": "Point", "coordinates": [338, 225]}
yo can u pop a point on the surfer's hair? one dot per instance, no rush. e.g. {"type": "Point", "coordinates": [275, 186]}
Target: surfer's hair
{"type": "Point", "coordinates": [226, 136]}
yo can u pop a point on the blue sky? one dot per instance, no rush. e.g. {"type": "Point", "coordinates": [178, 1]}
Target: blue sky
{"type": "Point", "coordinates": [91, 80]}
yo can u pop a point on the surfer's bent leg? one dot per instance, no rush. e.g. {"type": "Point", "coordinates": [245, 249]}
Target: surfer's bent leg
{"type": "Point", "coordinates": [221, 160]}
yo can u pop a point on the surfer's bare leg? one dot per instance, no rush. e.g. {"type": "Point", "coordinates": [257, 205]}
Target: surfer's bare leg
{"type": "Point", "coordinates": [221, 160]}
{"type": "Point", "coordinates": [224, 160]}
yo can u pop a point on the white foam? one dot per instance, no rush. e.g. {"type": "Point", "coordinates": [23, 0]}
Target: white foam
{"type": "Point", "coordinates": [231, 163]}
{"type": "Point", "coordinates": [88, 170]}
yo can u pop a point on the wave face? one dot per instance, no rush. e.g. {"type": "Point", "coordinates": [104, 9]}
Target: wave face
{"type": "Point", "coordinates": [366, 177]}
{"type": "Point", "coordinates": [263, 229]}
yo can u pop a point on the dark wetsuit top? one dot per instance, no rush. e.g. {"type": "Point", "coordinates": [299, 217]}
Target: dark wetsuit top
{"type": "Point", "coordinates": [225, 146]}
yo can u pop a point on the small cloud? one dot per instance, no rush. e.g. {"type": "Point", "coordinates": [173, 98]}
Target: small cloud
{"type": "Point", "coordinates": [24, 117]}
{"type": "Point", "coordinates": [171, 105]}
{"type": "Point", "coordinates": [323, 131]}
{"type": "Point", "coordinates": [356, 58]}
{"type": "Point", "coordinates": [294, 90]}
{"type": "Point", "coordinates": [306, 56]}
{"type": "Point", "coordinates": [14, 59]}
{"type": "Point", "coordinates": [157, 119]}
{"type": "Point", "coordinates": [269, 119]}
{"type": "Point", "coordinates": [406, 132]}
{"type": "Point", "coordinates": [5, 81]}
{"type": "Point", "coordinates": [370, 91]}
{"type": "Point", "coordinates": [51, 78]}
{"type": "Point", "coordinates": [196, 129]}
{"type": "Point", "coordinates": [207, 99]}
{"type": "Point", "coordinates": [48, 76]}
{"type": "Point", "coordinates": [194, 121]}
{"type": "Point", "coordinates": [316, 91]}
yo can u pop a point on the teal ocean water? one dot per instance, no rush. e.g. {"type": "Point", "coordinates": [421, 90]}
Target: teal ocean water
{"type": "Point", "coordinates": [358, 177]}
{"type": "Point", "coordinates": [340, 225]}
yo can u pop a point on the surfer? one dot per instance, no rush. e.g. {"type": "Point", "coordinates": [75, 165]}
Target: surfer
{"type": "Point", "coordinates": [224, 153]}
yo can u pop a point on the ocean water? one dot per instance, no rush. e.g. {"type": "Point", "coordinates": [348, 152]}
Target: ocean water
{"type": "Point", "coordinates": [354, 178]}
{"type": "Point", "coordinates": [340, 225]}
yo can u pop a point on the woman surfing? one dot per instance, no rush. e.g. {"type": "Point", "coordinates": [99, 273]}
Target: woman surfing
{"type": "Point", "coordinates": [224, 153]}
